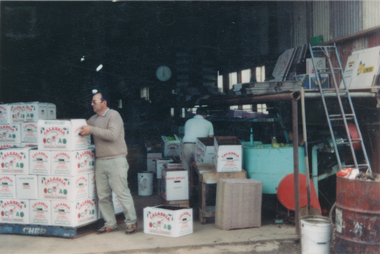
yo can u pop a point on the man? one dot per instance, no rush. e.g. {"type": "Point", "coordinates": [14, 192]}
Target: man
{"type": "Point", "coordinates": [196, 127]}
{"type": "Point", "coordinates": [111, 166]}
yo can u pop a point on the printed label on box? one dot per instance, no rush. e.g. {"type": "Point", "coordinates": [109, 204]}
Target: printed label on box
{"type": "Point", "coordinates": [10, 133]}
{"type": "Point", "coordinates": [40, 212]}
{"type": "Point", "coordinates": [7, 186]}
{"type": "Point", "coordinates": [14, 161]}
{"type": "Point", "coordinates": [40, 162]}
{"type": "Point", "coordinates": [14, 211]}
{"type": "Point", "coordinates": [29, 132]}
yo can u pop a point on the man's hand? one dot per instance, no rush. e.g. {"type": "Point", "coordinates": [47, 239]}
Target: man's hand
{"type": "Point", "coordinates": [86, 130]}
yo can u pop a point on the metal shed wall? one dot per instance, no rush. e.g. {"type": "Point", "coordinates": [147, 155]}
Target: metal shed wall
{"type": "Point", "coordinates": [299, 21]}
{"type": "Point", "coordinates": [321, 19]}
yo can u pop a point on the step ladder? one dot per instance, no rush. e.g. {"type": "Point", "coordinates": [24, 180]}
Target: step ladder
{"type": "Point", "coordinates": [339, 110]}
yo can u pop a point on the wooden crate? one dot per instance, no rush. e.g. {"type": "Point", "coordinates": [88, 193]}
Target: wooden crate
{"type": "Point", "coordinates": [179, 203]}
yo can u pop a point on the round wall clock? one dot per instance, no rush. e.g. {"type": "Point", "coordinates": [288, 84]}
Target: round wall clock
{"type": "Point", "coordinates": [163, 73]}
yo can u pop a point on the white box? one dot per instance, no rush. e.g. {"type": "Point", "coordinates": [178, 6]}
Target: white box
{"type": "Point", "coordinates": [168, 221]}
{"type": "Point", "coordinates": [175, 184]}
{"type": "Point", "coordinates": [66, 188]}
{"type": "Point", "coordinates": [29, 132]}
{"type": "Point", "coordinates": [10, 133]}
{"type": "Point", "coordinates": [205, 150]}
{"type": "Point", "coordinates": [117, 206]}
{"type": "Point", "coordinates": [7, 186]}
{"type": "Point", "coordinates": [61, 135]}
{"type": "Point", "coordinates": [17, 111]}
{"type": "Point", "coordinates": [170, 147]}
{"type": "Point", "coordinates": [52, 111]}
{"type": "Point", "coordinates": [150, 161]}
{"type": "Point", "coordinates": [174, 165]}
{"type": "Point", "coordinates": [228, 153]}
{"type": "Point", "coordinates": [26, 187]}
{"type": "Point", "coordinates": [320, 62]}
{"type": "Point", "coordinates": [14, 211]}
{"type": "Point", "coordinates": [40, 212]}
{"type": "Point", "coordinates": [72, 163]}
{"type": "Point", "coordinates": [91, 186]}
{"type": "Point", "coordinates": [39, 162]}
{"type": "Point", "coordinates": [5, 115]}
{"type": "Point", "coordinates": [74, 213]}
{"type": "Point", "coordinates": [161, 164]}
{"type": "Point", "coordinates": [35, 111]}
{"type": "Point", "coordinates": [14, 161]}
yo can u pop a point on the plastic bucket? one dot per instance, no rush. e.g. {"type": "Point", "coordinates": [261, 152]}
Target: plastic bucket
{"type": "Point", "coordinates": [145, 183]}
{"type": "Point", "coordinates": [315, 235]}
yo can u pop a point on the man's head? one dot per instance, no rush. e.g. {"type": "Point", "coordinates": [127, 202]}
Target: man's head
{"type": "Point", "coordinates": [202, 112]}
{"type": "Point", "coordinates": [99, 103]}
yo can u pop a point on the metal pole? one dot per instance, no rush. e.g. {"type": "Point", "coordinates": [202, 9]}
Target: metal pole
{"type": "Point", "coordinates": [296, 166]}
{"type": "Point", "coordinates": [307, 171]}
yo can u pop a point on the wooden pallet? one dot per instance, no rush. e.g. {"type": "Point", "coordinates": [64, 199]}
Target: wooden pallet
{"type": "Point", "coordinates": [180, 203]}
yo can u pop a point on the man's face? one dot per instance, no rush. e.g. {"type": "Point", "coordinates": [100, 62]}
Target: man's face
{"type": "Point", "coordinates": [97, 104]}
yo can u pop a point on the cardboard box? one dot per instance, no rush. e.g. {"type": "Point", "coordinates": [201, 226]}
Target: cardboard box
{"type": "Point", "coordinates": [40, 162]}
{"type": "Point", "coordinates": [52, 111]}
{"type": "Point", "coordinates": [29, 132]}
{"type": "Point", "coordinates": [9, 145]}
{"type": "Point", "coordinates": [205, 150]}
{"type": "Point", "coordinates": [170, 146]}
{"type": "Point", "coordinates": [151, 161]}
{"type": "Point", "coordinates": [10, 133]}
{"type": "Point", "coordinates": [35, 111]}
{"type": "Point", "coordinates": [320, 62]}
{"type": "Point", "coordinates": [26, 187]}
{"type": "Point", "coordinates": [311, 82]}
{"type": "Point", "coordinates": [160, 165]}
{"type": "Point", "coordinates": [14, 211]}
{"type": "Point", "coordinates": [40, 212]}
{"type": "Point", "coordinates": [62, 135]}
{"type": "Point", "coordinates": [238, 203]}
{"type": "Point", "coordinates": [17, 111]}
{"type": "Point", "coordinates": [7, 186]}
{"type": "Point", "coordinates": [74, 213]}
{"type": "Point", "coordinates": [117, 206]}
{"type": "Point", "coordinates": [72, 163]}
{"type": "Point", "coordinates": [66, 188]}
{"type": "Point", "coordinates": [168, 221]}
{"type": "Point", "coordinates": [5, 115]}
{"type": "Point", "coordinates": [228, 154]}
{"type": "Point", "coordinates": [14, 161]}
{"type": "Point", "coordinates": [175, 184]}
{"type": "Point", "coordinates": [91, 186]}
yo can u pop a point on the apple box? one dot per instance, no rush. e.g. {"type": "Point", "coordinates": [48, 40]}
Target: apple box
{"type": "Point", "coordinates": [170, 146]}
{"type": "Point", "coordinates": [5, 115]}
{"type": "Point", "coordinates": [320, 62]}
{"type": "Point", "coordinates": [29, 132]}
{"type": "Point", "coordinates": [72, 163]}
{"type": "Point", "coordinates": [17, 111]}
{"type": "Point", "coordinates": [205, 150]}
{"type": "Point", "coordinates": [150, 161]}
{"type": "Point", "coordinates": [35, 111]}
{"type": "Point", "coordinates": [14, 211]}
{"type": "Point", "coordinates": [51, 111]}
{"type": "Point", "coordinates": [10, 133]}
{"type": "Point", "coordinates": [61, 135]}
{"type": "Point", "coordinates": [67, 188]}
{"type": "Point", "coordinates": [7, 186]}
{"type": "Point", "coordinates": [168, 221]}
{"type": "Point", "coordinates": [175, 184]}
{"type": "Point", "coordinates": [40, 212]}
{"type": "Point", "coordinates": [14, 161]}
{"type": "Point", "coordinates": [26, 187]}
{"type": "Point", "coordinates": [91, 186]}
{"type": "Point", "coordinates": [161, 164]}
{"type": "Point", "coordinates": [228, 153]}
{"type": "Point", "coordinates": [73, 213]}
{"type": "Point", "coordinates": [39, 162]}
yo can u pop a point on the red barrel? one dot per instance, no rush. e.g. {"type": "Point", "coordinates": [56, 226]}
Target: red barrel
{"type": "Point", "coordinates": [357, 216]}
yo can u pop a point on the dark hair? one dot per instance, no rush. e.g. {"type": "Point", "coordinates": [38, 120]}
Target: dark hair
{"type": "Point", "coordinates": [201, 111]}
{"type": "Point", "coordinates": [104, 95]}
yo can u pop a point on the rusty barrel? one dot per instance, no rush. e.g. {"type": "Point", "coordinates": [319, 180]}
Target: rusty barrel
{"type": "Point", "coordinates": [357, 216]}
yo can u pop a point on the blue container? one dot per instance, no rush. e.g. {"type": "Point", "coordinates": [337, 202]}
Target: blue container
{"type": "Point", "coordinates": [269, 165]}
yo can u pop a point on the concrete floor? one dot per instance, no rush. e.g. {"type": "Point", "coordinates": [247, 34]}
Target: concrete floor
{"type": "Point", "coordinates": [206, 238]}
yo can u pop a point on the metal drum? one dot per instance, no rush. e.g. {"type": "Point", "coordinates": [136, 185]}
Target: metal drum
{"type": "Point", "coordinates": [357, 216]}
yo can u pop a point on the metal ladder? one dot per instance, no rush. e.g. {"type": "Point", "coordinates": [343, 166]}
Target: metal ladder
{"type": "Point", "coordinates": [343, 100]}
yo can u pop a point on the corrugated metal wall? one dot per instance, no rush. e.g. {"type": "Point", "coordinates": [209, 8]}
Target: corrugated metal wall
{"type": "Point", "coordinates": [321, 19]}
{"type": "Point", "coordinates": [299, 21]}
{"type": "Point", "coordinates": [371, 17]}
{"type": "Point", "coordinates": [346, 18]}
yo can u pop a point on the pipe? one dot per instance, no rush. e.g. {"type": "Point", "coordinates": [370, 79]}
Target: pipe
{"type": "Point", "coordinates": [296, 166]}
{"type": "Point", "coordinates": [317, 95]}
{"type": "Point", "coordinates": [306, 154]}
{"type": "Point", "coordinates": [249, 99]}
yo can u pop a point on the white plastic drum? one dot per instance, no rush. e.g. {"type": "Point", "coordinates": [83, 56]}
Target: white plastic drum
{"type": "Point", "coordinates": [145, 183]}
{"type": "Point", "coordinates": [315, 235]}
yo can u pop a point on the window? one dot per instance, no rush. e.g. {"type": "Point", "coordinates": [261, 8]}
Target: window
{"type": "Point", "coordinates": [232, 79]}
{"type": "Point", "coordinates": [220, 82]}
{"type": "Point", "coordinates": [260, 73]}
{"type": "Point", "coordinates": [245, 75]}
{"type": "Point", "coordinates": [262, 108]}
{"type": "Point", "coordinates": [144, 93]}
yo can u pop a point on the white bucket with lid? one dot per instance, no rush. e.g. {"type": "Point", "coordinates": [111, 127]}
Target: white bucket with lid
{"type": "Point", "coordinates": [315, 234]}
{"type": "Point", "coordinates": [145, 183]}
